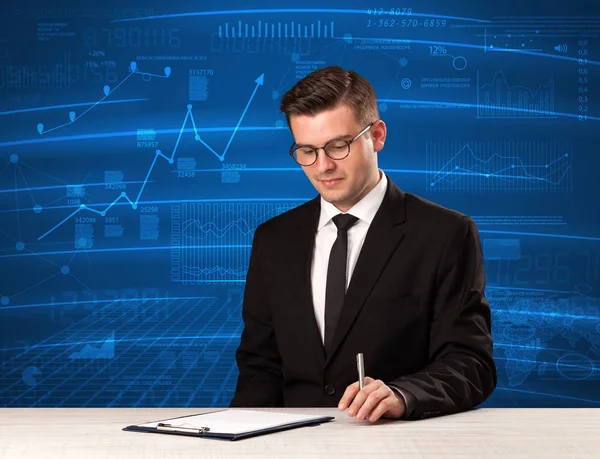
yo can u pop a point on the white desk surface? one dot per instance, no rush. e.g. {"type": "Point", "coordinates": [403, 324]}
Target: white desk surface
{"type": "Point", "coordinates": [490, 433]}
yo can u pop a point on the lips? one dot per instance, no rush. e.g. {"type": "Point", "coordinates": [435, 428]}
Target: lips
{"type": "Point", "coordinates": [331, 182]}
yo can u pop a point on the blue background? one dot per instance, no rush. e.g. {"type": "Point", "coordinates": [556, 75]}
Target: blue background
{"type": "Point", "coordinates": [141, 144]}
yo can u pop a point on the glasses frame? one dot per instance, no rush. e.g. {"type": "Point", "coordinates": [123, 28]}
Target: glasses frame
{"type": "Point", "coordinates": [316, 149]}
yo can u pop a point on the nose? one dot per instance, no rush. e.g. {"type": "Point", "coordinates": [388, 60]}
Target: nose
{"type": "Point", "coordinates": [324, 163]}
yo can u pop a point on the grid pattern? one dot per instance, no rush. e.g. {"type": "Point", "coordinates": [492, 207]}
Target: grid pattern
{"type": "Point", "coordinates": [167, 353]}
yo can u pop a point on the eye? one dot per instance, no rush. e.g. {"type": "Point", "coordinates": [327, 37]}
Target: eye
{"type": "Point", "coordinates": [338, 145]}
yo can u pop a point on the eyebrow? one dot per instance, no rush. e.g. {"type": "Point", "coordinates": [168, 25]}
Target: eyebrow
{"type": "Point", "coordinates": [340, 137]}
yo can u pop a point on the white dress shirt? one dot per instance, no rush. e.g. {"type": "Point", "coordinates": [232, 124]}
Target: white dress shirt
{"type": "Point", "coordinates": [364, 210]}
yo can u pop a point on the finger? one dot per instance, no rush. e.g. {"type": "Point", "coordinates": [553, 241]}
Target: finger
{"type": "Point", "coordinates": [351, 392]}
{"type": "Point", "coordinates": [349, 395]}
{"type": "Point", "coordinates": [362, 396]}
{"type": "Point", "coordinates": [372, 401]}
{"type": "Point", "coordinates": [382, 407]}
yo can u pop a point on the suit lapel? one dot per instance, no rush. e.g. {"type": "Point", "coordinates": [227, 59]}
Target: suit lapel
{"type": "Point", "coordinates": [306, 232]}
{"type": "Point", "coordinates": [381, 241]}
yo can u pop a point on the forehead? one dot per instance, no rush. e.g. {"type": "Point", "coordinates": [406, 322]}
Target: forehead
{"type": "Point", "coordinates": [324, 126]}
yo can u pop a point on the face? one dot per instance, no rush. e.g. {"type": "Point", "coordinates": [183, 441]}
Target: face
{"type": "Point", "coordinates": [341, 182]}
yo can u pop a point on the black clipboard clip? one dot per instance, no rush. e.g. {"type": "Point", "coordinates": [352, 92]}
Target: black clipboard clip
{"type": "Point", "coordinates": [181, 428]}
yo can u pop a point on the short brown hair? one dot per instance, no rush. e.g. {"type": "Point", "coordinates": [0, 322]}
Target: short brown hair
{"type": "Point", "coordinates": [328, 87]}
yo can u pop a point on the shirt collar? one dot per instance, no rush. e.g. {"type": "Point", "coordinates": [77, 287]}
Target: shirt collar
{"type": "Point", "coordinates": [365, 209]}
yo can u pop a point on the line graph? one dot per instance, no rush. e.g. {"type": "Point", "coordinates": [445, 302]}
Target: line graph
{"type": "Point", "coordinates": [502, 165]}
{"type": "Point", "coordinates": [80, 104]}
{"type": "Point", "coordinates": [123, 196]}
{"type": "Point", "coordinates": [514, 101]}
{"type": "Point", "coordinates": [73, 116]}
{"type": "Point", "coordinates": [210, 242]}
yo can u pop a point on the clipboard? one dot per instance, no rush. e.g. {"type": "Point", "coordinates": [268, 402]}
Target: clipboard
{"type": "Point", "coordinates": [230, 424]}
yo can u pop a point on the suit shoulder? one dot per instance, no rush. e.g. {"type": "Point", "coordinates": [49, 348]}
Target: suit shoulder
{"type": "Point", "coordinates": [288, 219]}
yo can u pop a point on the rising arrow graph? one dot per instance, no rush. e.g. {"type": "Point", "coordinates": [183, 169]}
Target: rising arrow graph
{"type": "Point", "coordinates": [73, 117]}
{"type": "Point", "coordinates": [123, 196]}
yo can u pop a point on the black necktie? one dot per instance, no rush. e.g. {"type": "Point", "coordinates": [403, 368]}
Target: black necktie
{"type": "Point", "coordinates": [336, 275]}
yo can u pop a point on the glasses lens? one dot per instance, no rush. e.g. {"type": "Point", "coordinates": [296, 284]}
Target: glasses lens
{"type": "Point", "coordinates": [337, 149]}
{"type": "Point", "coordinates": [304, 156]}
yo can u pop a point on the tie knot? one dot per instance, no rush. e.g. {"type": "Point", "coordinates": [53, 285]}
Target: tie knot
{"type": "Point", "coordinates": [344, 221]}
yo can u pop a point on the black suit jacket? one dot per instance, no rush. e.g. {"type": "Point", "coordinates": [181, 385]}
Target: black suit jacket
{"type": "Point", "coordinates": [415, 308]}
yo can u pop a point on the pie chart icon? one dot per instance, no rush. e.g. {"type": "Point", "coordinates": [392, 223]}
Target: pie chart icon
{"type": "Point", "coordinates": [29, 375]}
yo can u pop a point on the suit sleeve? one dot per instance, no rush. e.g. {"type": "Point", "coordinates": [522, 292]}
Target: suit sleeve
{"type": "Point", "coordinates": [409, 400]}
{"type": "Point", "coordinates": [259, 381]}
{"type": "Point", "coordinates": [461, 373]}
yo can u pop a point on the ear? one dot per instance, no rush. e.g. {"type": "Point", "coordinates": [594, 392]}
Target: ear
{"type": "Point", "coordinates": [379, 132]}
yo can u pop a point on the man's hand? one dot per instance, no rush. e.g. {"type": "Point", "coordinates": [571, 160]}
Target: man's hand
{"type": "Point", "coordinates": [375, 400]}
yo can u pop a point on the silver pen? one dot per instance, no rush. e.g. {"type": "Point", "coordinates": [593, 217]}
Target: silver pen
{"type": "Point", "coordinates": [181, 428]}
{"type": "Point", "coordinates": [360, 364]}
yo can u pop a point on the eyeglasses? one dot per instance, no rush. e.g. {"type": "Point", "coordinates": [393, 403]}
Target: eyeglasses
{"type": "Point", "coordinates": [337, 149]}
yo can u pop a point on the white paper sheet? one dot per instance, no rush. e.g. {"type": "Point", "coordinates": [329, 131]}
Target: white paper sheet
{"type": "Point", "coordinates": [235, 421]}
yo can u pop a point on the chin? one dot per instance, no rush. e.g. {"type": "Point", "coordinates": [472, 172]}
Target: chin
{"type": "Point", "coordinates": [333, 196]}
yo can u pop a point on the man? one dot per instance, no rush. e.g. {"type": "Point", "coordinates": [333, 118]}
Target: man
{"type": "Point", "coordinates": [362, 268]}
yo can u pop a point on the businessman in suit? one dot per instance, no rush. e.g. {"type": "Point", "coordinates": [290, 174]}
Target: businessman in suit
{"type": "Point", "coordinates": [362, 268]}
